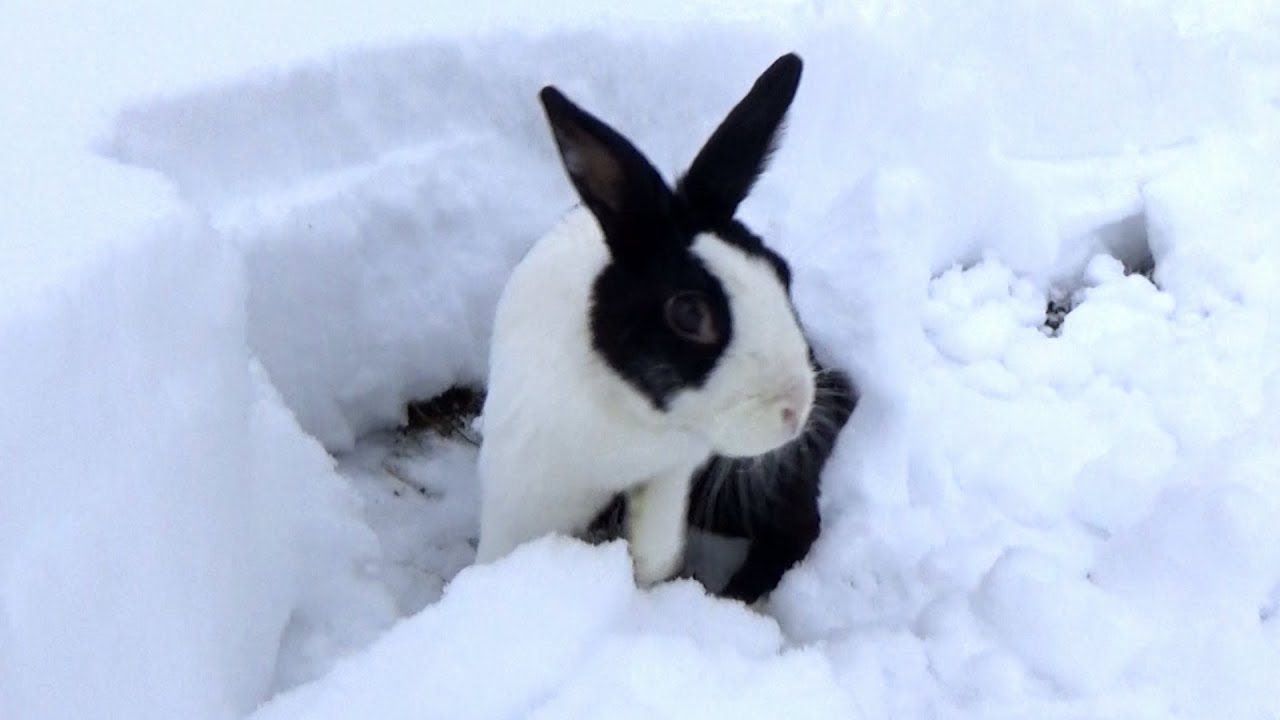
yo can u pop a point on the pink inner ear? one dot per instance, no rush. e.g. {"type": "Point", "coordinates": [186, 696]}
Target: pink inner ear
{"type": "Point", "coordinates": [592, 165]}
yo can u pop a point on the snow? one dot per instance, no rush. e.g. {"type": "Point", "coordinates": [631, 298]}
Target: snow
{"type": "Point", "coordinates": [162, 514]}
{"type": "Point", "coordinates": [561, 658]}
{"type": "Point", "coordinates": [229, 257]}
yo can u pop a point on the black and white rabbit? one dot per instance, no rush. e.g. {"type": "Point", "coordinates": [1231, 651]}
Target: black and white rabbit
{"type": "Point", "coordinates": [647, 332]}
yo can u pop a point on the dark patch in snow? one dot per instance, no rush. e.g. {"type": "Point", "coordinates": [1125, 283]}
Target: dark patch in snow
{"type": "Point", "coordinates": [449, 414]}
{"type": "Point", "coordinates": [1055, 312]}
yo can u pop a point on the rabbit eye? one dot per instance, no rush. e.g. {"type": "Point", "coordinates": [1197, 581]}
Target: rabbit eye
{"type": "Point", "coordinates": [689, 315]}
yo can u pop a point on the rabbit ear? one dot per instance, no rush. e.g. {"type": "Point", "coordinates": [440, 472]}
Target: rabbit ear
{"type": "Point", "coordinates": [729, 163]}
{"type": "Point", "coordinates": [622, 189]}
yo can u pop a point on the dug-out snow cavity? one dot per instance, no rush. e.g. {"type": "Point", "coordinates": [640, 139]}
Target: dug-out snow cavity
{"type": "Point", "coordinates": [380, 197]}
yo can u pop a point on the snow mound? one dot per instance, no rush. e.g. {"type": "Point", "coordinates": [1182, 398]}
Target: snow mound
{"type": "Point", "coordinates": [558, 629]}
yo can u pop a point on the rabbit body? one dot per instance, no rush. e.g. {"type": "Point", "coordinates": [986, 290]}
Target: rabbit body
{"type": "Point", "coordinates": [646, 332]}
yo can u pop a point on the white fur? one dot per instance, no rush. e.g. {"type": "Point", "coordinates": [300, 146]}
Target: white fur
{"type": "Point", "coordinates": [564, 433]}
{"type": "Point", "coordinates": [764, 369]}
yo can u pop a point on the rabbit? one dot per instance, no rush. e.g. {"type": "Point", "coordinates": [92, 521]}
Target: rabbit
{"type": "Point", "coordinates": [770, 500]}
{"type": "Point", "coordinates": [646, 332]}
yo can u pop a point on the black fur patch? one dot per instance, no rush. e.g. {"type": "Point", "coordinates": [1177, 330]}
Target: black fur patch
{"type": "Point", "coordinates": [630, 331]}
{"type": "Point", "coordinates": [627, 325]}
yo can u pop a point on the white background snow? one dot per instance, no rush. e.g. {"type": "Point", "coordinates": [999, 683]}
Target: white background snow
{"type": "Point", "coordinates": [236, 238]}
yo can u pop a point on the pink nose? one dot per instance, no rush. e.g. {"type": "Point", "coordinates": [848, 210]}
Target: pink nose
{"type": "Point", "coordinates": [791, 419]}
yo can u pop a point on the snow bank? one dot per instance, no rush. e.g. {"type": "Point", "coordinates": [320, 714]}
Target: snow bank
{"type": "Point", "coordinates": [128, 564]}
{"type": "Point", "coordinates": [162, 517]}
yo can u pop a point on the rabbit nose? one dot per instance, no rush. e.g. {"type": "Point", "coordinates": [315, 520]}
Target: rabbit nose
{"type": "Point", "coordinates": [795, 407]}
{"type": "Point", "coordinates": [791, 419]}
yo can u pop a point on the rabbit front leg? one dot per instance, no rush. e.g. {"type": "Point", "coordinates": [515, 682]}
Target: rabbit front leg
{"type": "Point", "coordinates": [656, 526]}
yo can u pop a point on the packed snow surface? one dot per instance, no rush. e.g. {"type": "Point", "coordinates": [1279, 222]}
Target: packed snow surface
{"type": "Point", "coordinates": [236, 239]}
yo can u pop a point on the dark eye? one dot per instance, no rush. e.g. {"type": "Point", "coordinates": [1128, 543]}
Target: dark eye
{"type": "Point", "coordinates": [689, 315]}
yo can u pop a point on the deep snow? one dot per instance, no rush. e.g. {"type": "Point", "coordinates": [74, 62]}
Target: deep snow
{"type": "Point", "coordinates": [226, 251]}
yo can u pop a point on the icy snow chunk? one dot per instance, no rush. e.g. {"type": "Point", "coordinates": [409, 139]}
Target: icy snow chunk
{"type": "Point", "coordinates": [967, 287]}
{"type": "Point", "coordinates": [1120, 323]}
{"type": "Point", "coordinates": [1049, 363]}
{"type": "Point", "coordinates": [980, 334]}
{"type": "Point", "coordinates": [1061, 625]}
{"type": "Point", "coordinates": [1102, 269]}
{"type": "Point", "coordinates": [975, 314]}
{"type": "Point", "coordinates": [1112, 285]}
{"type": "Point", "coordinates": [1117, 488]}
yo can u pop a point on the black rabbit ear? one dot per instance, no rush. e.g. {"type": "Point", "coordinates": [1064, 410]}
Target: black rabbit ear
{"type": "Point", "coordinates": [724, 171]}
{"type": "Point", "coordinates": [622, 189]}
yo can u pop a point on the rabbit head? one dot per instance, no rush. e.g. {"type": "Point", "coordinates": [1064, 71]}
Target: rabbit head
{"type": "Point", "coordinates": [692, 310]}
